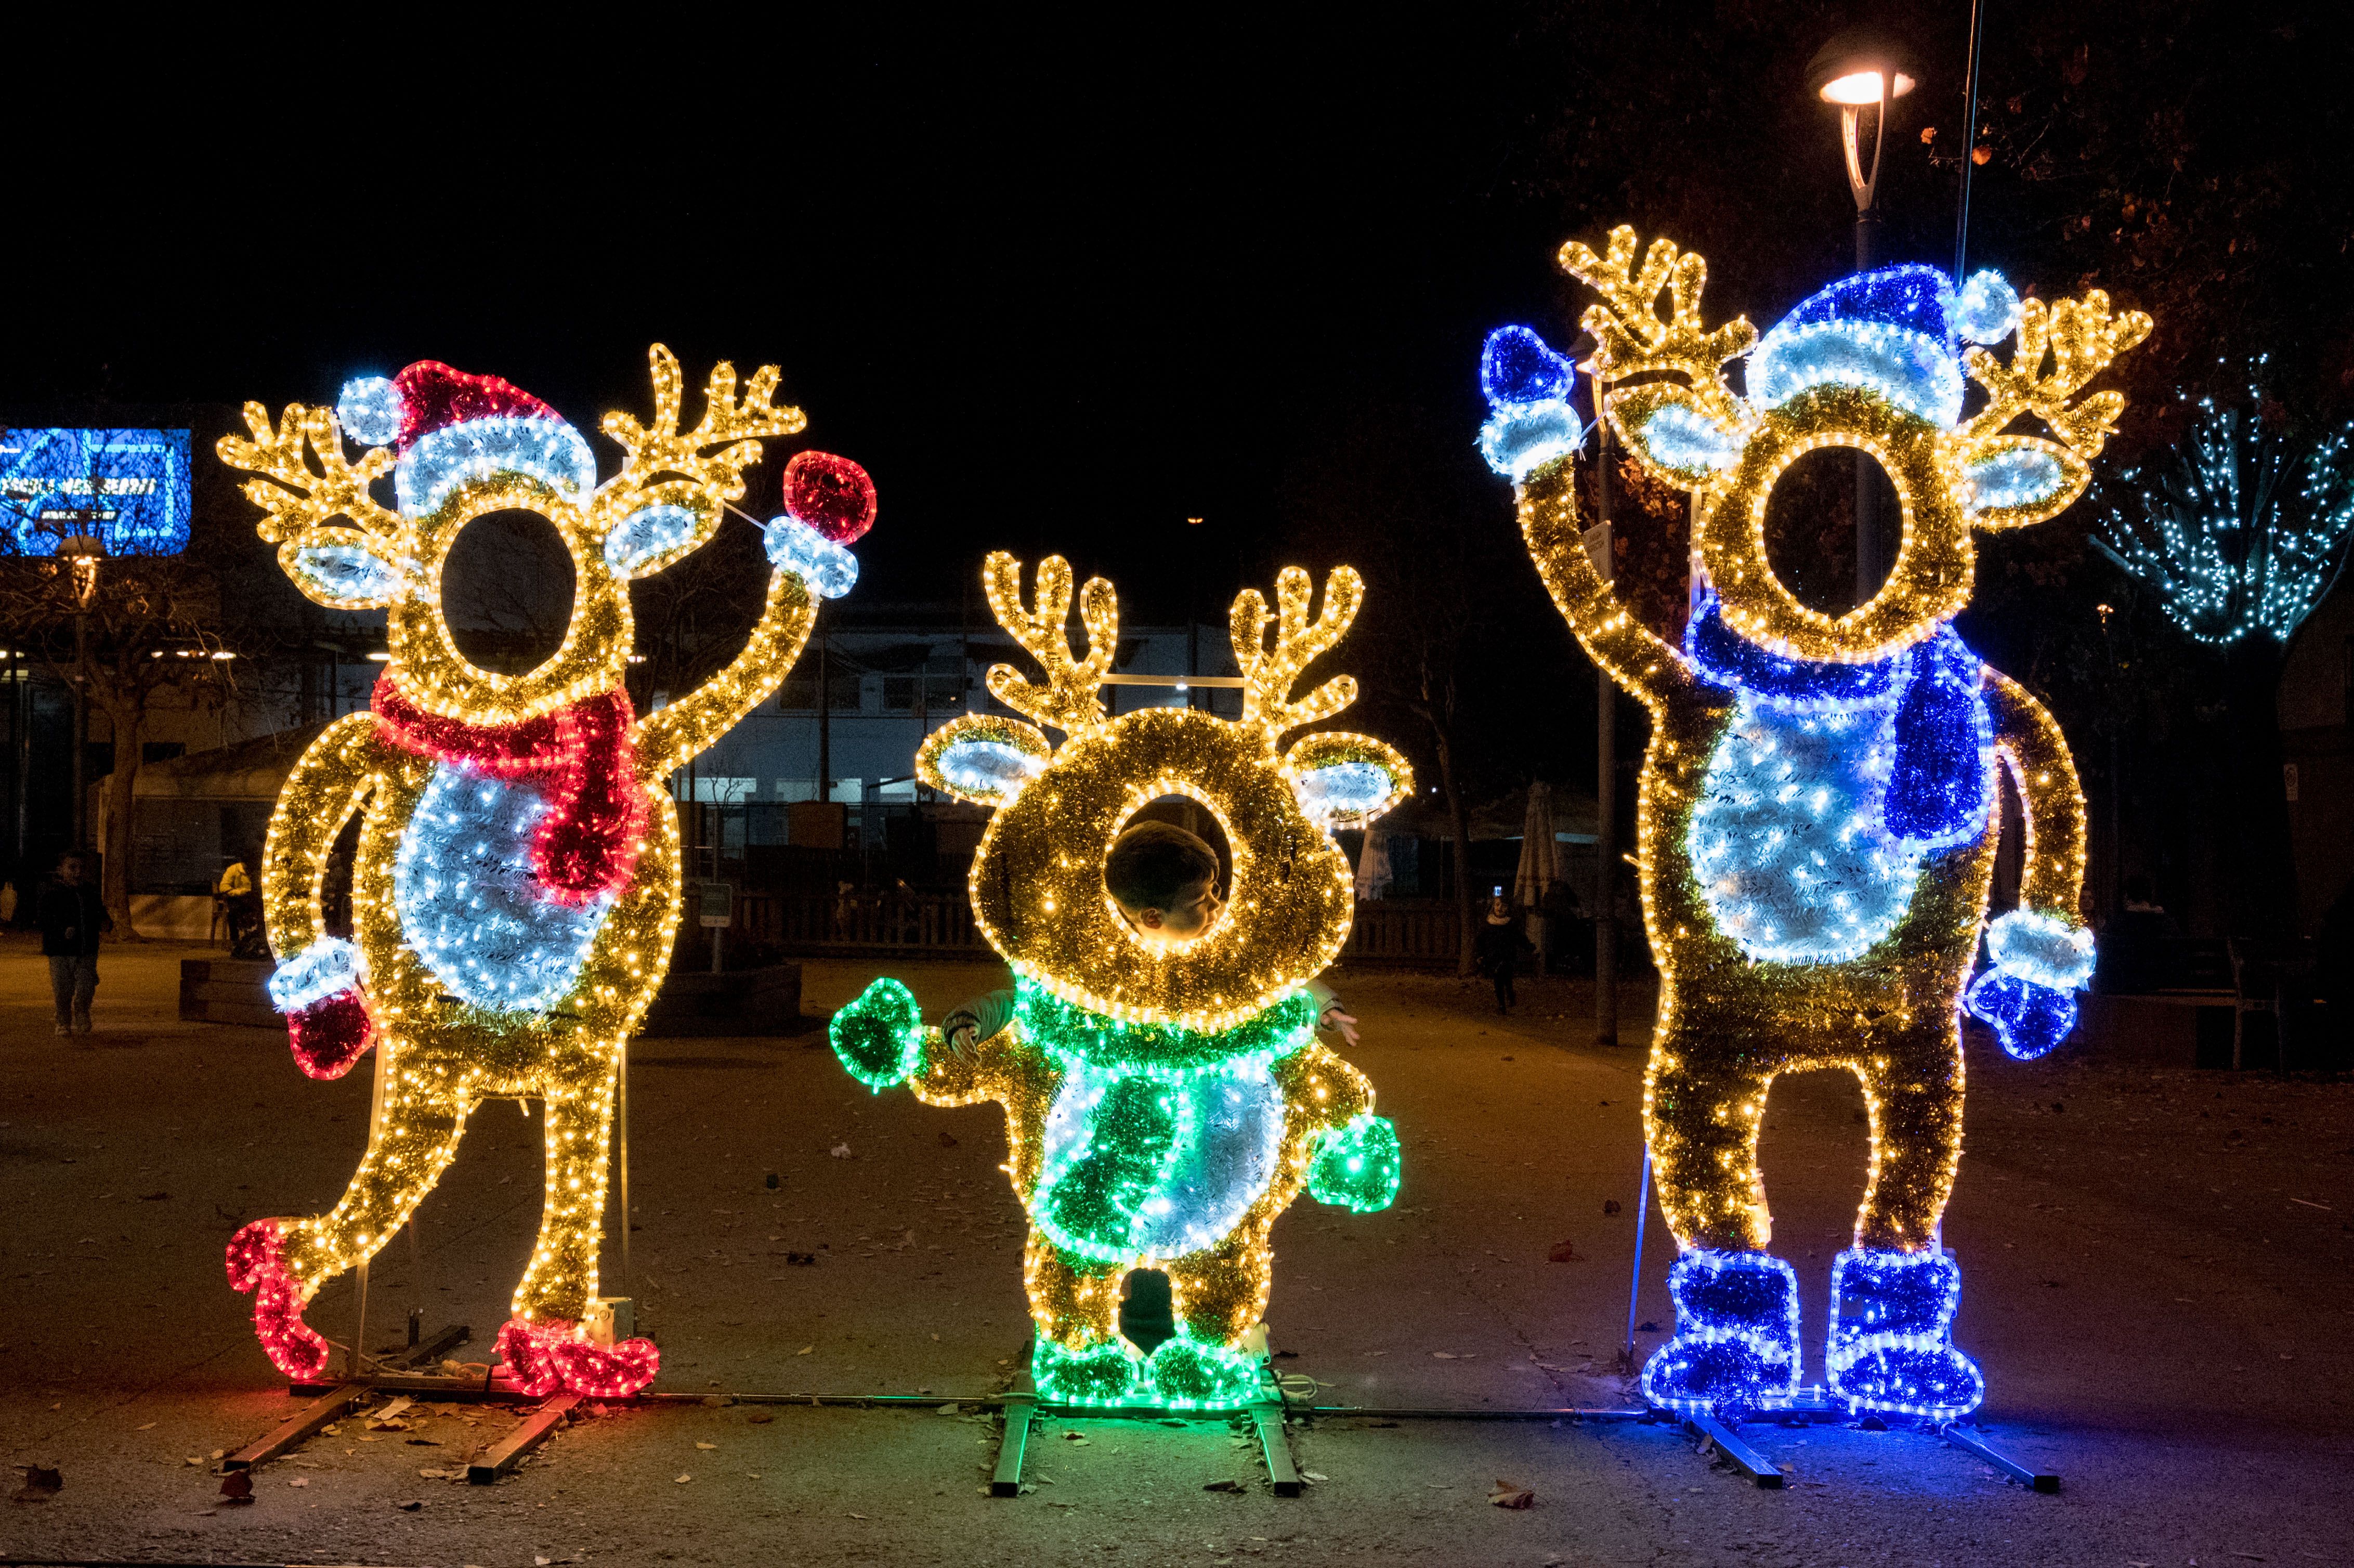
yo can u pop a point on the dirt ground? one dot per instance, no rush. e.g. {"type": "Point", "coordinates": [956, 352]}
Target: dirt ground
{"type": "Point", "coordinates": [2156, 1265]}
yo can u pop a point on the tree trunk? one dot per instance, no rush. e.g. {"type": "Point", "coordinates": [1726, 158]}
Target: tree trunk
{"type": "Point", "coordinates": [2264, 895]}
{"type": "Point", "coordinates": [1459, 815]}
{"type": "Point", "coordinates": [129, 722]}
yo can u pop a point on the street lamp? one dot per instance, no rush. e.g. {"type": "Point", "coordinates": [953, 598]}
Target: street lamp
{"type": "Point", "coordinates": [1859, 70]}
{"type": "Point", "coordinates": [82, 554]}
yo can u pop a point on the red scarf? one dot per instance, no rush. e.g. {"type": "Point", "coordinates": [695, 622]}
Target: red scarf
{"type": "Point", "coordinates": [580, 758]}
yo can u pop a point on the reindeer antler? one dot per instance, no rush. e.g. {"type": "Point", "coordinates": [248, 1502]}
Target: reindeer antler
{"type": "Point", "coordinates": [1268, 672]}
{"type": "Point", "coordinates": [1629, 329]}
{"type": "Point", "coordinates": [2081, 337]}
{"type": "Point", "coordinates": [297, 498]}
{"type": "Point", "coordinates": [729, 424]}
{"type": "Point", "coordinates": [1067, 701]}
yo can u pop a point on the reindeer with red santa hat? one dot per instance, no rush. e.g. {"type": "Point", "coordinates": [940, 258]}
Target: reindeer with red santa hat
{"type": "Point", "coordinates": [516, 886]}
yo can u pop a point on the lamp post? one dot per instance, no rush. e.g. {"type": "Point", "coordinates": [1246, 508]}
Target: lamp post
{"type": "Point", "coordinates": [1859, 70]}
{"type": "Point", "coordinates": [82, 554]}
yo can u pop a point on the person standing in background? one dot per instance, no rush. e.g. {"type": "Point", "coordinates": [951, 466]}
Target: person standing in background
{"type": "Point", "coordinates": [73, 918]}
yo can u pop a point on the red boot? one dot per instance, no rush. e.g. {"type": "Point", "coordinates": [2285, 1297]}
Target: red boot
{"type": "Point", "coordinates": [543, 1356]}
{"type": "Point", "coordinates": [293, 1347]}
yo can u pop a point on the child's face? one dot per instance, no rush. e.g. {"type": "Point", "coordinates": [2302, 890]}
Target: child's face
{"type": "Point", "coordinates": [1195, 906]}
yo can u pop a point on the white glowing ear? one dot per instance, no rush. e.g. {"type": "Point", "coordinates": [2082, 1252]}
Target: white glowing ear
{"type": "Point", "coordinates": [2017, 480]}
{"type": "Point", "coordinates": [664, 522]}
{"type": "Point", "coordinates": [983, 757]}
{"type": "Point", "coordinates": [342, 568]}
{"type": "Point", "coordinates": [1662, 424]}
{"type": "Point", "coordinates": [1337, 774]}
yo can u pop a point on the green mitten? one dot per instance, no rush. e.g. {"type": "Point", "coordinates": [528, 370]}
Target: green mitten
{"type": "Point", "coordinates": [1357, 1168]}
{"type": "Point", "coordinates": [880, 1036]}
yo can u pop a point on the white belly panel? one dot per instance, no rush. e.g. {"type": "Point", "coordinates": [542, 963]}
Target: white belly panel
{"type": "Point", "coordinates": [1786, 841]}
{"type": "Point", "coordinates": [1229, 1139]}
{"type": "Point", "coordinates": [469, 906]}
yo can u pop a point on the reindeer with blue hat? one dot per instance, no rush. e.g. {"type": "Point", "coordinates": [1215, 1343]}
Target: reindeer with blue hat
{"type": "Point", "coordinates": [1816, 817]}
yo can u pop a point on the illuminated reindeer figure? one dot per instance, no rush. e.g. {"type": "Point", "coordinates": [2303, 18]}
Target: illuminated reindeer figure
{"type": "Point", "coordinates": [1816, 830]}
{"type": "Point", "coordinates": [516, 886]}
{"type": "Point", "coordinates": [1165, 1100]}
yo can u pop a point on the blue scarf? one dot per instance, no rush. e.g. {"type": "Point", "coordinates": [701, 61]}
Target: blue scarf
{"type": "Point", "coordinates": [1942, 733]}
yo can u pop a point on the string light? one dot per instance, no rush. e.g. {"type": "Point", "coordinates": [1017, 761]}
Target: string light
{"type": "Point", "coordinates": [1164, 1101]}
{"type": "Point", "coordinates": [516, 893]}
{"type": "Point", "coordinates": [1815, 831]}
{"type": "Point", "coordinates": [2242, 530]}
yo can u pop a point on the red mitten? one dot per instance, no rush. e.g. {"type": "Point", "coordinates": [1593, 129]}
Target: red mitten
{"type": "Point", "coordinates": [328, 1036]}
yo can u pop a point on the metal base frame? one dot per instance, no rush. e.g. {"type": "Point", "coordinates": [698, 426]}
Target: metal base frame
{"type": "Point", "coordinates": [1714, 1432]}
{"type": "Point", "coordinates": [1021, 1407]}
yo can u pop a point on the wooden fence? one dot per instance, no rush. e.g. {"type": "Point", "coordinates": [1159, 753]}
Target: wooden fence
{"type": "Point", "coordinates": [1408, 933]}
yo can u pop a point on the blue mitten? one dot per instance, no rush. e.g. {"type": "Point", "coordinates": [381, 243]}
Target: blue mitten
{"type": "Point", "coordinates": [1528, 386]}
{"type": "Point", "coordinates": [2027, 998]}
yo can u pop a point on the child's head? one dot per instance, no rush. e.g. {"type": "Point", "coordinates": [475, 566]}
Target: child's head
{"type": "Point", "coordinates": [1163, 878]}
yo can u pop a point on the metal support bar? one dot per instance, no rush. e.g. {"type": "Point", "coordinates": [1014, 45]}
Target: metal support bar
{"type": "Point", "coordinates": [1182, 683]}
{"type": "Point", "coordinates": [507, 1452]}
{"type": "Point", "coordinates": [1971, 1443]}
{"type": "Point", "coordinates": [1746, 1460]}
{"type": "Point", "coordinates": [1020, 1408]}
{"type": "Point", "coordinates": [429, 1351]}
{"type": "Point", "coordinates": [298, 1428]}
{"type": "Point", "coordinates": [1267, 1417]}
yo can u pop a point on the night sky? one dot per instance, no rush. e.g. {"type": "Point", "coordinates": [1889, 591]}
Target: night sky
{"type": "Point", "coordinates": [1063, 283]}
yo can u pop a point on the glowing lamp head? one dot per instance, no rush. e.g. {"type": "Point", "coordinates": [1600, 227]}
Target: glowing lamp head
{"type": "Point", "coordinates": [1850, 69]}
{"type": "Point", "coordinates": [1862, 87]}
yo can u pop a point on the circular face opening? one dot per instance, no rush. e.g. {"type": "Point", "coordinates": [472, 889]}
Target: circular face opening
{"type": "Point", "coordinates": [1810, 531]}
{"type": "Point", "coordinates": [506, 591]}
{"type": "Point", "coordinates": [1170, 870]}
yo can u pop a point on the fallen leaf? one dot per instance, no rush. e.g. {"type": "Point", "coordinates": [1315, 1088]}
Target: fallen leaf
{"type": "Point", "coordinates": [804, 1350]}
{"type": "Point", "coordinates": [1445, 1356]}
{"type": "Point", "coordinates": [858, 1516]}
{"type": "Point", "coordinates": [681, 1478]}
{"type": "Point", "coordinates": [299, 1481]}
{"type": "Point", "coordinates": [1222, 1486]}
{"type": "Point", "coordinates": [42, 1482]}
{"type": "Point", "coordinates": [410, 1507]}
{"type": "Point", "coordinates": [150, 1426]}
{"type": "Point", "coordinates": [841, 1151]}
{"type": "Point", "coordinates": [759, 1418]}
{"type": "Point", "coordinates": [947, 1140]}
{"type": "Point", "coordinates": [1563, 1252]}
{"type": "Point", "coordinates": [706, 1447]}
{"type": "Point", "coordinates": [194, 1459]}
{"type": "Point", "coordinates": [1512, 1494]}
{"type": "Point", "coordinates": [238, 1487]}
{"type": "Point", "coordinates": [1313, 1475]}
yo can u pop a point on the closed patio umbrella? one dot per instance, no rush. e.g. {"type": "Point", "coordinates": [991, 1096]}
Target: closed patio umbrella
{"type": "Point", "coordinates": [1540, 867]}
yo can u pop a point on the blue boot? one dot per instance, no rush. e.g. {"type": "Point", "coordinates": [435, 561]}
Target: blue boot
{"type": "Point", "coordinates": [1736, 1339]}
{"type": "Point", "coordinates": [1892, 1346]}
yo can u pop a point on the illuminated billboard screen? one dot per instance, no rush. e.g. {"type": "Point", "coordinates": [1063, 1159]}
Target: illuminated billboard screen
{"type": "Point", "coordinates": [129, 488]}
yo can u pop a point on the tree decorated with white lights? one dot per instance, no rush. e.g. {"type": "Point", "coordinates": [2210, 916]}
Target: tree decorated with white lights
{"type": "Point", "coordinates": [2239, 532]}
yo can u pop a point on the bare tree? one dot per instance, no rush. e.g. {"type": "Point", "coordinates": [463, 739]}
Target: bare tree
{"type": "Point", "coordinates": [121, 633]}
